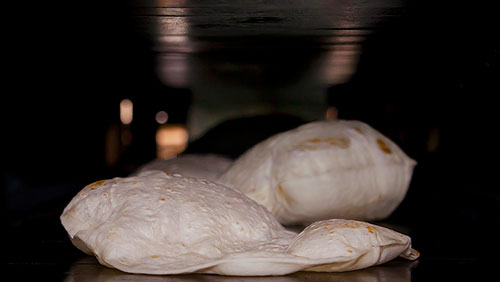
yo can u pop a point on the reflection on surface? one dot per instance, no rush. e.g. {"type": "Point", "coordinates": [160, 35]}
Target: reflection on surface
{"type": "Point", "coordinates": [88, 269]}
{"type": "Point", "coordinates": [189, 26]}
{"type": "Point", "coordinates": [259, 57]}
{"type": "Point", "coordinates": [173, 69]}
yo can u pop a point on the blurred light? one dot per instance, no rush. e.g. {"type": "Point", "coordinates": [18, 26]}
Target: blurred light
{"type": "Point", "coordinates": [173, 69]}
{"type": "Point", "coordinates": [341, 63]}
{"type": "Point", "coordinates": [170, 140]}
{"type": "Point", "coordinates": [171, 136]}
{"type": "Point", "coordinates": [126, 111]}
{"type": "Point", "coordinates": [331, 113]}
{"type": "Point", "coordinates": [173, 39]}
{"type": "Point", "coordinates": [161, 117]}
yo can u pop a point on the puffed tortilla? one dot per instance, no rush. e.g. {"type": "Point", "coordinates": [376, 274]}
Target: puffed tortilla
{"type": "Point", "coordinates": [325, 169]}
{"type": "Point", "coordinates": [205, 166]}
{"type": "Point", "coordinates": [158, 223]}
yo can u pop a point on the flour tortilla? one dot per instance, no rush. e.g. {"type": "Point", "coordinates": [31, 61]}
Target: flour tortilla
{"type": "Point", "coordinates": [325, 169]}
{"type": "Point", "coordinates": [158, 223]}
{"type": "Point", "coordinates": [205, 166]}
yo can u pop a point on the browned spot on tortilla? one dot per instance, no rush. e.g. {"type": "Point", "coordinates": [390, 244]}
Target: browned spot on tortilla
{"type": "Point", "coordinates": [414, 253]}
{"type": "Point", "coordinates": [93, 185]}
{"type": "Point", "coordinates": [155, 256]}
{"type": "Point", "coordinates": [162, 199]}
{"type": "Point", "coordinates": [383, 146]}
{"type": "Point", "coordinates": [135, 182]}
{"type": "Point", "coordinates": [351, 225]}
{"type": "Point", "coordinates": [370, 229]}
{"type": "Point", "coordinates": [283, 194]}
{"type": "Point", "coordinates": [314, 140]}
{"type": "Point", "coordinates": [339, 141]}
{"type": "Point", "coordinates": [358, 130]}
{"type": "Point", "coordinates": [349, 251]}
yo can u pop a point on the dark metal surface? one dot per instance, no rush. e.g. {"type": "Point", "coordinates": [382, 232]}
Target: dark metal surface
{"type": "Point", "coordinates": [260, 56]}
{"type": "Point", "coordinates": [183, 31]}
{"type": "Point", "coordinates": [88, 269]}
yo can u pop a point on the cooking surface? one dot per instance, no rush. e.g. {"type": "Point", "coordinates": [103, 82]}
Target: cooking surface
{"type": "Point", "coordinates": [419, 72]}
{"type": "Point", "coordinates": [42, 252]}
{"type": "Point", "coordinates": [88, 269]}
{"type": "Point", "coordinates": [452, 247]}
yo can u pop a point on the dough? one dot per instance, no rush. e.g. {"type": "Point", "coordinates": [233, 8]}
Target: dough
{"type": "Point", "coordinates": [325, 169]}
{"type": "Point", "coordinates": [208, 166]}
{"type": "Point", "coordinates": [158, 223]}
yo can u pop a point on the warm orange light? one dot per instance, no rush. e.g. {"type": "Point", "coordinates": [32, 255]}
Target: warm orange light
{"type": "Point", "coordinates": [126, 111]}
{"type": "Point", "coordinates": [171, 136]}
{"type": "Point", "coordinates": [171, 140]}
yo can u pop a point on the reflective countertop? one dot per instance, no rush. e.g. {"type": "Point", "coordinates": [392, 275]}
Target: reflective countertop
{"type": "Point", "coordinates": [88, 269]}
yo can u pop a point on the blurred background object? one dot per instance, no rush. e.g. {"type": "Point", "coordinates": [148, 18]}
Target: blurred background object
{"type": "Point", "coordinates": [231, 73]}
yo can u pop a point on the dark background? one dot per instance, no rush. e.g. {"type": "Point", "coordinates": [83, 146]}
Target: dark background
{"type": "Point", "coordinates": [430, 67]}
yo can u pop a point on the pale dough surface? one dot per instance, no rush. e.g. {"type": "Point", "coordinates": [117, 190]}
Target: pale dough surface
{"type": "Point", "coordinates": [161, 223]}
{"type": "Point", "coordinates": [325, 169]}
{"type": "Point", "coordinates": [205, 166]}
